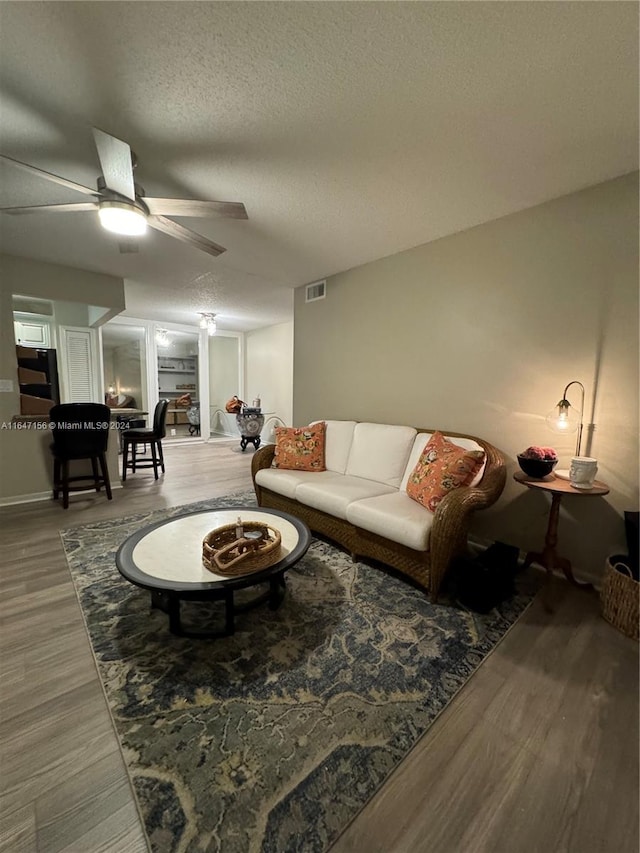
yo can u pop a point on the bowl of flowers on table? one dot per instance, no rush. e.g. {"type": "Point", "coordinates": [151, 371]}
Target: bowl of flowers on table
{"type": "Point", "coordinates": [538, 461]}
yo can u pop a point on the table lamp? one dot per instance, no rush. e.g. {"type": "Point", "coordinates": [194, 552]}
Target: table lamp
{"type": "Point", "coordinates": [564, 418]}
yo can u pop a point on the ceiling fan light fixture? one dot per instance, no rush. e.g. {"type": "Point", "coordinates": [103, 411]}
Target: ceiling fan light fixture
{"type": "Point", "coordinates": [122, 218]}
{"type": "Point", "coordinates": [123, 208]}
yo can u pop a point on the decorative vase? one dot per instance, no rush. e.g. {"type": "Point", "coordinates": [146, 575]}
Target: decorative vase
{"type": "Point", "coordinates": [583, 472]}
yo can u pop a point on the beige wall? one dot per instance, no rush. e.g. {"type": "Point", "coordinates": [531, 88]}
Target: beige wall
{"type": "Point", "coordinates": [480, 332]}
{"type": "Point", "coordinates": [25, 465]}
{"type": "Point", "coordinates": [269, 366]}
{"type": "Point", "coordinates": [71, 313]}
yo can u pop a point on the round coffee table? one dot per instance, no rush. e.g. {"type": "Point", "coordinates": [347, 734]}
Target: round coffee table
{"type": "Point", "coordinates": [166, 559]}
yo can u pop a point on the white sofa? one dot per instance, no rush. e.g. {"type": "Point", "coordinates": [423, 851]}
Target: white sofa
{"type": "Point", "coordinates": [361, 502]}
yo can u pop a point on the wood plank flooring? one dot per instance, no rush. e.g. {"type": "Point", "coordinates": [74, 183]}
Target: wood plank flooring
{"type": "Point", "coordinates": [538, 752]}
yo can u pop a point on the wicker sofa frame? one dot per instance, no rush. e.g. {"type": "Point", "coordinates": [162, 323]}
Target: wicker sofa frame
{"type": "Point", "coordinates": [449, 532]}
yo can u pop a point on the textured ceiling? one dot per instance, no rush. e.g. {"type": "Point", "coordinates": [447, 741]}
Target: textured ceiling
{"type": "Point", "coordinates": [349, 130]}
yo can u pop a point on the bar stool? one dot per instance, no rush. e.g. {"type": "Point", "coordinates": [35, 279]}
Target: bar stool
{"type": "Point", "coordinates": [132, 438]}
{"type": "Point", "coordinates": [79, 431]}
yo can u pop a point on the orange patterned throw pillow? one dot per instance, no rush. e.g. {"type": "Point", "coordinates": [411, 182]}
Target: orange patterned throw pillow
{"type": "Point", "coordinates": [442, 467]}
{"type": "Point", "coordinates": [300, 448]}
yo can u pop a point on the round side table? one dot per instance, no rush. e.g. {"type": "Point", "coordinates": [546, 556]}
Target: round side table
{"type": "Point", "coordinates": [549, 558]}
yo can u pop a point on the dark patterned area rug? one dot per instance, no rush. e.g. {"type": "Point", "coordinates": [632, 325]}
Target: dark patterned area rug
{"type": "Point", "coordinates": [274, 738]}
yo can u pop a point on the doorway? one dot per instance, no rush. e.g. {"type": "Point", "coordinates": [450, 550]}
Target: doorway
{"type": "Point", "coordinates": [174, 363]}
{"type": "Point", "coordinates": [178, 382]}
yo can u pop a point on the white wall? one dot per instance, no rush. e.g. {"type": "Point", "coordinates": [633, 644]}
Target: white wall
{"type": "Point", "coordinates": [479, 333]}
{"type": "Point", "coordinates": [269, 372]}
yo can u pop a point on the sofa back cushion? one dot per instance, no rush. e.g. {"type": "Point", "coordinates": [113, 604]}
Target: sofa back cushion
{"type": "Point", "coordinates": [380, 452]}
{"type": "Point", "coordinates": [422, 438]}
{"type": "Point", "coordinates": [339, 435]}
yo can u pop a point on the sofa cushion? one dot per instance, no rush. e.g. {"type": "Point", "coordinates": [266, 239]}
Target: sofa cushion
{"type": "Point", "coordinates": [442, 467]}
{"type": "Point", "coordinates": [334, 495]}
{"type": "Point", "coordinates": [380, 452]}
{"type": "Point", "coordinates": [300, 448]}
{"type": "Point", "coordinates": [338, 444]}
{"type": "Point", "coordinates": [421, 442]}
{"type": "Point", "coordinates": [285, 482]}
{"type": "Point", "coordinates": [396, 517]}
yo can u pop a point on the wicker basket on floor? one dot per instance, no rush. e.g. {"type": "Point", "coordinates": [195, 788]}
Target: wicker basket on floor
{"type": "Point", "coordinates": [226, 554]}
{"type": "Point", "coordinates": [619, 597]}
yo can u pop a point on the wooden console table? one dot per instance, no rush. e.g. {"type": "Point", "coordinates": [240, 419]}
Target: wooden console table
{"type": "Point", "coordinates": [549, 558]}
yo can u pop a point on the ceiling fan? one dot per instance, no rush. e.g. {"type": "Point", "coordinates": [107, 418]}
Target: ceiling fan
{"type": "Point", "coordinates": [121, 204]}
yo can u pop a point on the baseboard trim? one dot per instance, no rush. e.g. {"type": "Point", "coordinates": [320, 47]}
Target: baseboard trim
{"type": "Point", "coordinates": [25, 499]}
{"type": "Point", "coordinates": [476, 546]}
{"type": "Point", "coordinates": [14, 500]}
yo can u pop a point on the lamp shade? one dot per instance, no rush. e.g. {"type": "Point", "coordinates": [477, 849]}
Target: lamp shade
{"type": "Point", "coordinates": [564, 418]}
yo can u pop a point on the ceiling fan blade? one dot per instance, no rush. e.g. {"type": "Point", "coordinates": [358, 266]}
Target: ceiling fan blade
{"type": "Point", "coordinates": [193, 207]}
{"type": "Point", "coordinates": [115, 161]}
{"type": "Point", "coordinates": [52, 208]}
{"type": "Point", "coordinates": [49, 176]}
{"type": "Point", "coordinates": [167, 226]}
{"type": "Point", "coordinates": [128, 246]}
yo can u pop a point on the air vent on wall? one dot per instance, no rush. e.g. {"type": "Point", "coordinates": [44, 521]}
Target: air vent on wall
{"type": "Point", "coordinates": [315, 291]}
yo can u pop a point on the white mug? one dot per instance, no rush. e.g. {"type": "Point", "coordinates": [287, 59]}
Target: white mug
{"type": "Point", "coordinates": [583, 472]}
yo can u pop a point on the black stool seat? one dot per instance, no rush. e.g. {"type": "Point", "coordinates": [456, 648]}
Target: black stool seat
{"type": "Point", "coordinates": [80, 431]}
{"type": "Point", "coordinates": [133, 438]}
{"type": "Point", "coordinates": [128, 422]}
{"type": "Point", "coordinates": [136, 432]}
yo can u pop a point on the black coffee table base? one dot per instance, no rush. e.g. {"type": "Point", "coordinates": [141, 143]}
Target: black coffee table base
{"type": "Point", "coordinates": [169, 603]}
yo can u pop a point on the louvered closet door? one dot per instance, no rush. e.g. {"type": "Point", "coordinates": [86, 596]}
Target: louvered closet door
{"type": "Point", "coordinates": [79, 361]}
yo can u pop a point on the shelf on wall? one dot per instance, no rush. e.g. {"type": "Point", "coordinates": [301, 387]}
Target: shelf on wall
{"type": "Point", "coordinates": [38, 379]}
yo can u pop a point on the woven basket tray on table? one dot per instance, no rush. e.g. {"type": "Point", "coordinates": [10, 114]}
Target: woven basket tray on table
{"type": "Point", "coordinates": [619, 597]}
{"type": "Point", "coordinates": [224, 553]}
